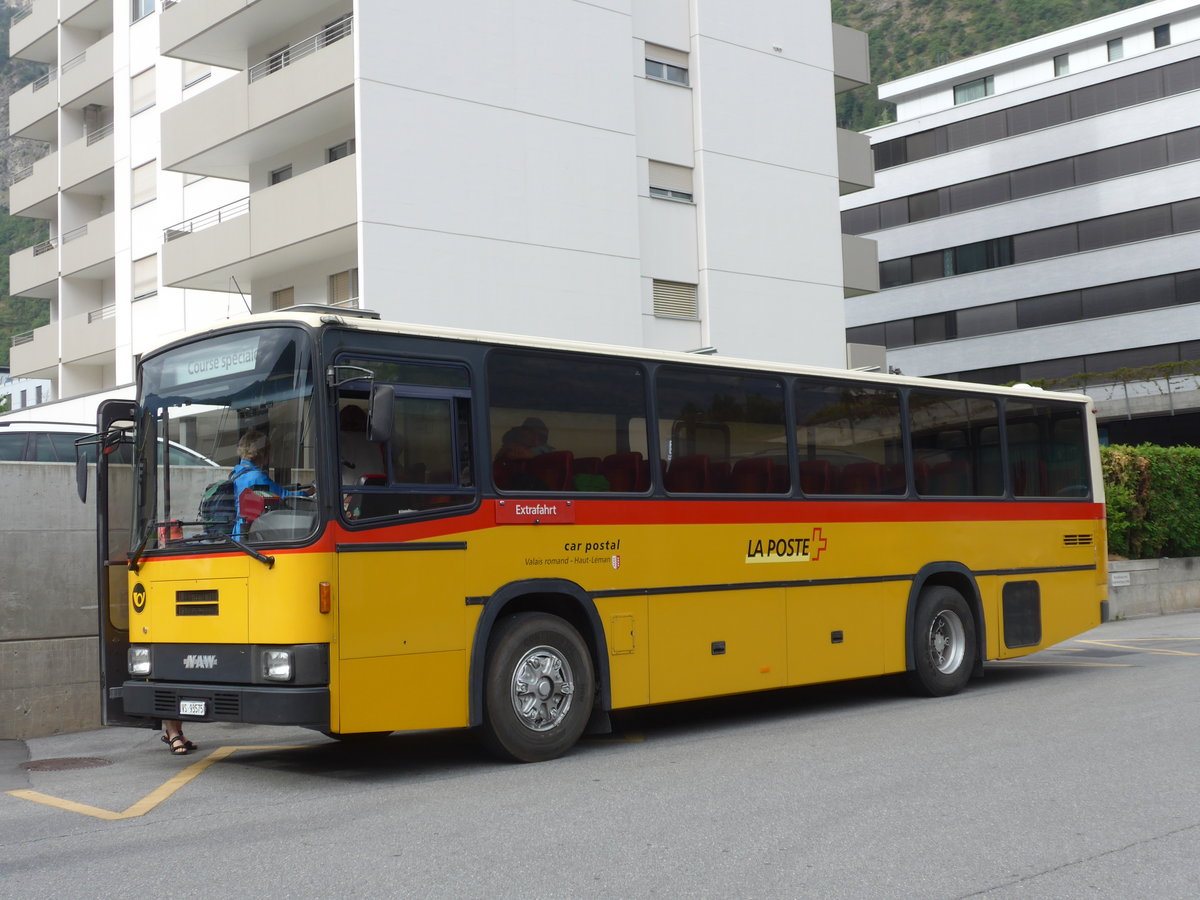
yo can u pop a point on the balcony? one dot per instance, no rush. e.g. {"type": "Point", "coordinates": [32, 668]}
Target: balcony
{"type": "Point", "coordinates": [851, 59]}
{"type": "Point", "coordinates": [88, 77]}
{"type": "Point", "coordinates": [34, 354]}
{"type": "Point", "coordinates": [33, 32]}
{"type": "Point", "coordinates": [34, 191]}
{"type": "Point", "coordinates": [31, 109]}
{"type": "Point", "coordinates": [89, 15]}
{"type": "Point", "coordinates": [89, 337]}
{"type": "Point", "coordinates": [860, 266]}
{"type": "Point", "coordinates": [281, 228]}
{"type": "Point", "coordinates": [87, 251]}
{"type": "Point", "coordinates": [221, 32]}
{"type": "Point", "coordinates": [33, 272]}
{"type": "Point", "coordinates": [856, 164]}
{"type": "Point", "coordinates": [259, 113]}
{"type": "Point", "coordinates": [87, 164]}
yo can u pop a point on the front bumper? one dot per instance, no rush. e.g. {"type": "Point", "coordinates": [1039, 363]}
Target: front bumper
{"type": "Point", "coordinates": [259, 705]}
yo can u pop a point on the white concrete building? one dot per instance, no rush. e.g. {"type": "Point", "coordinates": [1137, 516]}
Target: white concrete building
{"type": "Point", "coordinates": [662, 173]}
{"type": "Point", "coordinates": [1037, 210]}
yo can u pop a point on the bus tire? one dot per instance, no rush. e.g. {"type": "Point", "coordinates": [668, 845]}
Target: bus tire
{"type": "Point", "coordinates": [538, 690]}
{"type": "Point", "coordinates": [943, 642]}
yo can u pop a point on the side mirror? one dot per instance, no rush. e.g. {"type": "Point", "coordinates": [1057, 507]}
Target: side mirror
{"type": "Point", "coordinates": [383, 412]}
{"type": "Point", "coordinates": [81, 473]}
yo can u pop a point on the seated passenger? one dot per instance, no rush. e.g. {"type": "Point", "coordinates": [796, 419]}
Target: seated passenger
{"type": "Point", "coordinates": [250, 475]}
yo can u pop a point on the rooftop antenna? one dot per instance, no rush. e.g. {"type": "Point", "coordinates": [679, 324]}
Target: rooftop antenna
{"type": "Point", "coordinates": [233, 278]}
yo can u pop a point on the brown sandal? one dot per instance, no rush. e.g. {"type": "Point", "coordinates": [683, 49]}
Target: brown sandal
{"type": "Point", "coordinates": [180, 746]}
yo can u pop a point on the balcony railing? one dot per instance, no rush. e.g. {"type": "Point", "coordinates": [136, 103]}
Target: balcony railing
{"type": "Point", "coordinates": [45, 246]}
{"type": "Point", "coordinates": [104, 312]}
{"type": "Point", "coordinates": [74, 234]}
{"type": "Point", "coordinates": [45, 81]}
{"type": "Point", "coordinates": [74, 62]}
{"type": "Point", "coordinates": [21, 12]}
{"type": "Point", "coordinates": [22, 174]}
{"type": "Point", "coordinates": [23, 338]}
{"type": "Point", "coordinates": [99, 134]}
{"type": "Point", "coordinates": [296, 52]}
{"type": "Point", "coordinates": [208, 220]}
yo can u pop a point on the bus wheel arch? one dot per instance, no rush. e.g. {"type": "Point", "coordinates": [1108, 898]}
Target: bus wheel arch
{"type": "Point", "coordinates": [950, 587]}
{"type": "Point", "coordinates": [555, 597]}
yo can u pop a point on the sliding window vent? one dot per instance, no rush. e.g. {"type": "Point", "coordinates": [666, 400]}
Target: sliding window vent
{"type": "Point", "coordinates": [675, 300]}
{"type": "Point", "coordinates": [1077, 540]}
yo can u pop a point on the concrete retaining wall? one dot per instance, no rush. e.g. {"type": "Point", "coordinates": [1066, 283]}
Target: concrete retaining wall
{"type": "Point", "coordinates": [1153, 587]}
{"type": "Point", "coordinates": [49, 681]}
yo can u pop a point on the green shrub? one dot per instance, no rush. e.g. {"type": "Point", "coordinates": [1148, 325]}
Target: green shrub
{"type": "Point", "coordinates": [1153, 496]}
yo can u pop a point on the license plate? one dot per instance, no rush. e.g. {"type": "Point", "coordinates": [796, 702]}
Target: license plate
{"type": "Point", "coordinates": [191, 707]}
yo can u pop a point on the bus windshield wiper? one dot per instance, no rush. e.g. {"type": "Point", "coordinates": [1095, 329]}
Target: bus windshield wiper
{"type": "Point", "coordinates": [137, 552]}
{"type": "Point", "coordinates": [268, 561]}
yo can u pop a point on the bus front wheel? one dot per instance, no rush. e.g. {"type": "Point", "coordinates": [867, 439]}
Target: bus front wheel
{"type": "Point", "coordinates": [943, 642]}
{"type": "Point", "coordinates": [539, 687]}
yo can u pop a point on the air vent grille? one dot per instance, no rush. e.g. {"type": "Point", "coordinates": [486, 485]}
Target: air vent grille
{"type": "Point", "coordinates": [1077, 540]}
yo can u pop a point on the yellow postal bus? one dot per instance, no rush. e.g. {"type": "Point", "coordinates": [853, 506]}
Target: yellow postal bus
{"type": "Point", "coordinates": [417, 528]}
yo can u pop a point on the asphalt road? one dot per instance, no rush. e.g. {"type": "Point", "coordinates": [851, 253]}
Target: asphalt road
{"type": "Point", "coordinates": [1074, 773]}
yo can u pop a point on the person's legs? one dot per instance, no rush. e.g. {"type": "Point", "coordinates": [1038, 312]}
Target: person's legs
{"type": "Point", "coordinates": [173, 737]}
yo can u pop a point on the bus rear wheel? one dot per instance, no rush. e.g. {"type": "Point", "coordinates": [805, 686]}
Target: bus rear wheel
{"type": "Point", "coordinates": [943, 642]}
{"type": "Point", "coordinates": [538, 689]}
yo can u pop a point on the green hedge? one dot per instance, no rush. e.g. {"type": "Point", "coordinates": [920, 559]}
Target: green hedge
{"type": "Point", "coordinates": [1153, 496]}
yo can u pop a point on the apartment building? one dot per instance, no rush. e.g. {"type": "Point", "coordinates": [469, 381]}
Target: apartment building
{"type": "Point", "coordinates": [660, 173]}
{"type": "Point", "coordinates": [1037, 215]}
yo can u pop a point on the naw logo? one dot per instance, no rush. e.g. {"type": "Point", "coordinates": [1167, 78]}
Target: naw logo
{"type": "Point", "coordinates": [200, 661]}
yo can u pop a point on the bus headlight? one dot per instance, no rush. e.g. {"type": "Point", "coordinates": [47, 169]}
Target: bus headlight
{"type": "Point", "coordinates": [277, 665]}
{"type": "Point", "coordinates": [138, 660]}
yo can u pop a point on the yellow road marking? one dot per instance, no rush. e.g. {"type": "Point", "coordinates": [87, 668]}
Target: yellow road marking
{"type": "Point", "coordinates": [151, 800]}
{"type": "Point", "coordinates": [1125, 646]}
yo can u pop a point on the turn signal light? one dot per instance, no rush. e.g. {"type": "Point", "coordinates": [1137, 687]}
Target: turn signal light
{"type": "Point", "coordinates": [324, 597]}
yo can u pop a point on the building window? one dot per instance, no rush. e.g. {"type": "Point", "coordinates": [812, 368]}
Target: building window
{"type": "Point", "coordinates": [280, 175]}
{"type": "Point", "coordinates": [664, 64]}
{"type": "Point", "coordinates": [1062, 65]}
{"type": "Point", "coordinates": [141, 92]}
{"type": "Point", "coordinates": [277, 60]}
{"type": "Point", "coordinates": [283, 298]}
{"type": "Point", "coordinates": [668, 182]}
{"type": "Point", "coordinates": [1162, 36]}
{"type": "Point", "coordinates": [343, 288]}
{"type": "Point", "coordinates": [194, 72]}
{"type": "Point", "coordinates": [675, 300]}
{"type": "Point", "coordinates": [974, 90]}
{"type": "Point", "coordinates": [145, 276]}
{"type": "Point", "coordinates": [336, 30]}
{"type": "Point", "coordinates": [144, 183]}
{"type": "Point", "coordinates": [139, 9]}
{"type": "Point", "coordinates": [340, 151]}
{"type": "Point", "coordinates": [1116, 49]}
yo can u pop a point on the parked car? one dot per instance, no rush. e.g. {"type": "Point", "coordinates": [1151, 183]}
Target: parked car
{"type": "Point", "coordinates": [27, 441]}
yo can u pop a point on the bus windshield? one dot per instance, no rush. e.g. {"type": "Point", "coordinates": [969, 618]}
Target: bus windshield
{"type": "Point", "coordinates": [241, 403]}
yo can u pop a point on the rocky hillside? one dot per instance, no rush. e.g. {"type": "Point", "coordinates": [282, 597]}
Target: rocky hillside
{"type": "Point", "coordinates": [909, 36]}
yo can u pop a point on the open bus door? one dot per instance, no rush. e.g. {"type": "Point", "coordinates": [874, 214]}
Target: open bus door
{"type": "Point", "coordinates": [114, 508]}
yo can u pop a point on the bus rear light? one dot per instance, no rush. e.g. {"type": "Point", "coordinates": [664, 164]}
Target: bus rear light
{"type": "Point", "coordinates": [138, 660]}
{"type": "Point", "coordinates": [324, 597]}
{"type": "Point", "coordinates": [277, 665]}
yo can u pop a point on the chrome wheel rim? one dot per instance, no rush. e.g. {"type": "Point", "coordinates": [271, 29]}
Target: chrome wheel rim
{"type": "Point", "coordinates": [542, 688]}
{"type": "Point", "coordinates": [947, 641]}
